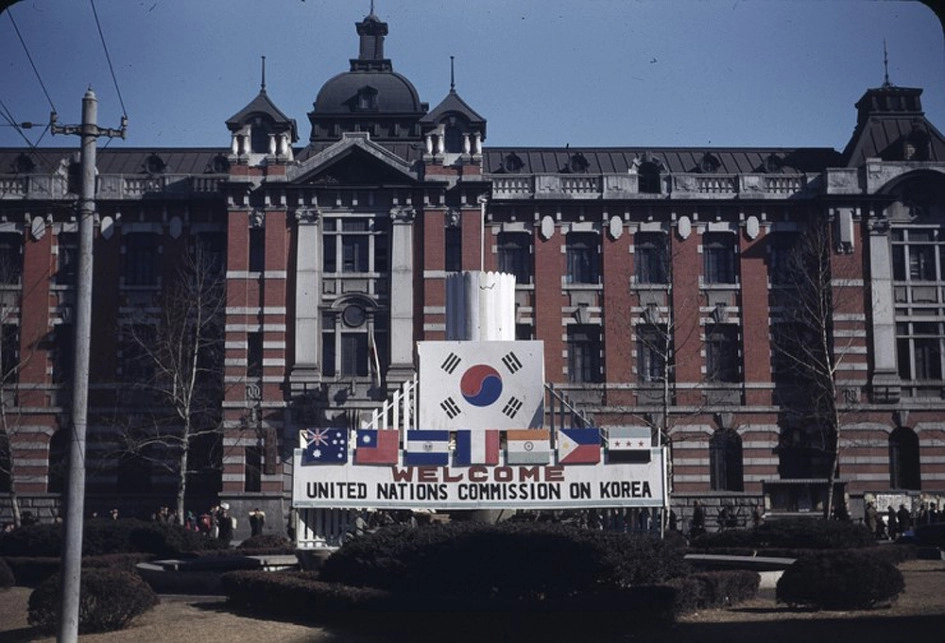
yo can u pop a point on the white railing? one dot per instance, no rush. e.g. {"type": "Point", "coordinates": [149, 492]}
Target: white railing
{"type": "Point", "coordinates": [398, 412]}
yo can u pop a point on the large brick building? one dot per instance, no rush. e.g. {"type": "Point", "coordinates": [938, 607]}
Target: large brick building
{"type": "Point", "coordinates": [657, 279]}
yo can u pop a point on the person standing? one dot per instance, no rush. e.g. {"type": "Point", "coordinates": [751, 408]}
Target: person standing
{"type": "Point", "coordinates": [892, 526]}
{"type": "Point", "coordinates": [870, 517]}
{"type": "Point", "coordinates": [697, 524]}
{"type": "Point", "coordinates": [904, 519]}
{"type": "Point", "coordinates": [257, 520]}
{"type": "Point", "coordinates": [225, 524]}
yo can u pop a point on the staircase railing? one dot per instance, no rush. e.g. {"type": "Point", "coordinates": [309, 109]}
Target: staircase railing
{"type": "Point", "coordinates": [562, 413]}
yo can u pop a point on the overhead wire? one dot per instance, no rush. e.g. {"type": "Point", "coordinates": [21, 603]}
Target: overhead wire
{"type": "Point", "coordinates": [111, 68]}
{"type": "Point", "coordinates": [30, 58]}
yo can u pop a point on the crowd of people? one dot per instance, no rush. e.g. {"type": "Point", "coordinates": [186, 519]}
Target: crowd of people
{"type": "Point", "coordinates": [892, 524]}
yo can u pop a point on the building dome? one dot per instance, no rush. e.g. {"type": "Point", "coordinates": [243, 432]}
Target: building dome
{"type": "Point", "coordinates": [378, 91]}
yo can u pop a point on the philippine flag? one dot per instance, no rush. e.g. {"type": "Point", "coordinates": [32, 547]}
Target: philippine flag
{"type": "Point", "coordinates": [477, 447]}
{"type": "Point", "coordinates": [427, 448]}
{"type": "Point", "coordinates": [324, 446]}
{"type": "Point", "coordinates": [528, 447]}
{"type": "Point", "coordinates": [579, 446]}
{"type": "Point", "coordinates": [377, 447]}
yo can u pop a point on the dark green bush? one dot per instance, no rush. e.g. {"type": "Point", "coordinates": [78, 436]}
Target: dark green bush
{"type": "Point", "coordinates": [7, 579]}
{"type": "Point", "coordinates": [839, 580]}
{"type": "Point", "coordinates": [268, 542]}
{"type": "Point", "coordinates": [102, 536]}
{"type": "Point", "coordinates": [514, 561]}
{"type": "Point", "coordinates": [108, 600]}
{"type": "Point", "coordinates": [31, 571]}
{"type": "Point", "coordinates": [791, 533]}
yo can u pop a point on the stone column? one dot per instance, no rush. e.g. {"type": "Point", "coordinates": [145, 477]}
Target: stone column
{"type": "Point", "coordinates": [308, 287]}
{"type": "Point", "coordinates": [884, 380]}
{"type": "Point", "coordinates": [401, 295]}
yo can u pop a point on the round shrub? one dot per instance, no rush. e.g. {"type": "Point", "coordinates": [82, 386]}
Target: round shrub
{"type": "Point", "coordinates": [7, 579]}
{"type": "Point", "coordinates": [509, 561]}
{"type": "Point", "coordinates": [32, 540]}
{"type": "Point", "coordinates": [108, 600]}
{"type": "Point", "coordinates": [839, 580]}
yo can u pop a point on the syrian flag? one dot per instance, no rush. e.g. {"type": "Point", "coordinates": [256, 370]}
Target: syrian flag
{"type": "Point", "coordinates": [477, 447]}
{"type": "Point", "coordinates": [629, 444]}
{"type": "Point", "coordinates": [579, 446]}
{"type": "Point", "coordinates": [324, 446]}
{"type": "Point", "coordinates": [377, 447]}
{"type": "Point", "coordinates": [427, 448]}
{"type": "Point", "coordinates": [528, 447]}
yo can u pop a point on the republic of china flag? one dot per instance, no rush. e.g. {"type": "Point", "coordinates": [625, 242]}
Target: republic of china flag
{"type": "Point", "coordinates": [481, 385]}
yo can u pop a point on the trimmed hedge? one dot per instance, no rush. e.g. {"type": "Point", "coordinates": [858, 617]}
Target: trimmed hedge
{"type": "Point", "coordinates": [269, 543]}
{"type": "Point", "coordinates": [103, 536]}
{"type": "Point", "coordinates": [300, 596]}
{"type": "Point", "coordinates": [508, 561]}
{"type": "Point", "coordinates": [839, 580]}
{"type": "Point", "coordinates": [791, 533]}
{"type": "Point", "coordinates": [931, 535]}
{"type": "Point", "coordinates": [108, 600]}
{"type": "Point", "coordinates": [31, 571]}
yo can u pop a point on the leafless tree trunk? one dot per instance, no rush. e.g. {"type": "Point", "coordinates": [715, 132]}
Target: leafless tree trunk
{"type": "Point", "coordinates": [806, 341]}
{"type": "Point", "coordinates": [179, 348]}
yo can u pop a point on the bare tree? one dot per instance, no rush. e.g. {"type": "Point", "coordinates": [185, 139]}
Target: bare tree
{"type": "Point", "coordinates": [176, 361]}
{"type": "Point", "coordinates": [815, 336]}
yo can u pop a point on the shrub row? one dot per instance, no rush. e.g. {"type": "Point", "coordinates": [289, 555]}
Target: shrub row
{"type": "Point", "coordinates": [896, 553]}
{"type": "Point", "coordinates": [31, 571]}
{"type": "Point", "coordinates": [103, 536]}
{"type": "Point", "coordinates": [300, 596]}
{"type": "Point", "coordinates": [7, 579]}
{"type": "Point", "coordinates": [108, 600]}
{"type": "Point", "coordinates": [509, 561]}
{"type": "Point", "coordinates": [931, 535]}
{"type": "Point", "coordinates": [839, 580]}
{"type": "Point", "coordinates": [705, 590]}
{"type": "Point", "coordinates": [791, 533]}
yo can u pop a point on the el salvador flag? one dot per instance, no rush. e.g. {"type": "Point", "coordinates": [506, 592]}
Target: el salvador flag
{"type": "Point", "coordinates": [427, 448]}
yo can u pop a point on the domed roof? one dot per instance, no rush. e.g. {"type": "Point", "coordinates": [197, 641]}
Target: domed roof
{"type": "Point", "coordinates": [371, 85]}
{"type": "Point", "coordinates": [378, 91]}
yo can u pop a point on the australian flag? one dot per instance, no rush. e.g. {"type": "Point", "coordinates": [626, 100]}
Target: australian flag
{"type": "Point", "coordinates": [325, 446]}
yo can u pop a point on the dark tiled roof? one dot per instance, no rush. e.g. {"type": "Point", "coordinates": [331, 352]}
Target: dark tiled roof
{"type": "Point", "coordinates": [620, 159]}
{"type": "Point", "coordinates": [453, 103]}
{"type": "Point", "coordinates": [410, 151]}
{"type": "Point", "coordinates": [115, 161]}
{"type": "Point", "coordinates": [262, 104]}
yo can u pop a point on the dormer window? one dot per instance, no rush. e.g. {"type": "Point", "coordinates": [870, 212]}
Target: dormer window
{"type": "Point", "coordinates": [773, 164]}
{"type": "Point", "coordinates": [367, 99]}
{"type": "Point", "coordinates": [915, 147]}
{"type": "Point", "coordinates": [219, 165]}
{"type": "Point", "coordinates": [709, 163]}
{"type": "Point", "coordinates": [154, 164]}
{"type": "Point", "coordinates": [23, 164]}
{"type": "Point", "coordinates": [649, 178]}
{"type": "Point", "coordinates": [577, 164]}
{"type": "Point", "coordinates": [259, 136]}
{"type": "Point", "coordinates": [512, 163]}
{"type": "Point", "coordinates": [453, 139]}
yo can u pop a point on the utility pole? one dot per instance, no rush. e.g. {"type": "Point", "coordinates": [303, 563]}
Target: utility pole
{"type": "Point", "coordinates": [89, 132]}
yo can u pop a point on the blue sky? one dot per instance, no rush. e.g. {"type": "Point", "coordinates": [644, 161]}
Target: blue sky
{"type": "Point", "coordinates": [542, 72]}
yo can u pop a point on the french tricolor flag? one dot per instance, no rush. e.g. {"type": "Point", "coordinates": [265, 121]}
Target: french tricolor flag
{"type": "Point", "coordinates": [477, 447]}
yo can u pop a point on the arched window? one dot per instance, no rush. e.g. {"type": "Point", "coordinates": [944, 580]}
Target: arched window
{"type": "Point", "coordinates": [725, 461]}
{"type": "Point", "coordinates": [904, 459]}
{"type": "Point", "coordinates": [58, 461]}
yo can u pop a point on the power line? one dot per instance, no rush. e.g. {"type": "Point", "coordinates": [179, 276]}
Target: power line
{"type": "Point", "coordinates": [30, 58]}
{"type": "Point", "coordinates": [124, 112]}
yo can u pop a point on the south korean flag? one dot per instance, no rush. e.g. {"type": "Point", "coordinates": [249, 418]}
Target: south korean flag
{"type": "Point", "coordinates": [481, 385]}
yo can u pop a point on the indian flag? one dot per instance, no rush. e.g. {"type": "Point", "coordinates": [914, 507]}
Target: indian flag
{"type": "Point", "coordinates": [528, 447]}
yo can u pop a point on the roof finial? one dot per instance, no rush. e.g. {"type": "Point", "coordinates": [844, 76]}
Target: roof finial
{"type": "Point", "coordinates": [885, 65]}
{"type": "Point", "coordinates": [452, 76]}
{"type": "Point", "coordinates": [372, 8]}
{"type": "Point", "coordinates": [262, 85]}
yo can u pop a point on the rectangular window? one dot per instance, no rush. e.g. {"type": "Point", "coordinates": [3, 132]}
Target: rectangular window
{"type": "Point", "coordinates": [721, 351]}
{"type": "Point", "coordinates": [583, 258]}
{"type": "Point", "coordinates": [515, 255]}
{"type": "Point", "coordinates": [254, 354]}
{"type": "Point", "coordinates": [10, 347]}
{"type": "Point", "coordinates": [782, 249]}
{"type": "Point", "coordinates": [141, 259]}
{"type": "Point", "coordinates": [718, 250]}
{"type": "Point", "coordinates": [252, 469]}
{"type": "Point", "coordinates": [651, 256]}
{"type": "Point", "coordinates": [917, 254]}
{"type": "Point", "coordinates": [11, 258]}
{"type": "Point", "coordinates": [454, 249]}
{"type": "Point", "coordinates": [584, 348]}
{"type": "Point", "coordinates": [354, 354]}
{"type": "Point", "coordinates": [257, 249]}
{"type": "Point", "coordinates": [652, 350]}
{"type": "Point", "coordinates": [347, 244]}
{"type": "Point", "coordinates": [210, 252]}
{"type": "Point", "coordinates": [68, 258]}
{"type": "Point", "coordinates": [919, 351]}
{"type": "Point", "coordinates": [63, 353]}
{"type": "Point", "coordinates": [137, 366]}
